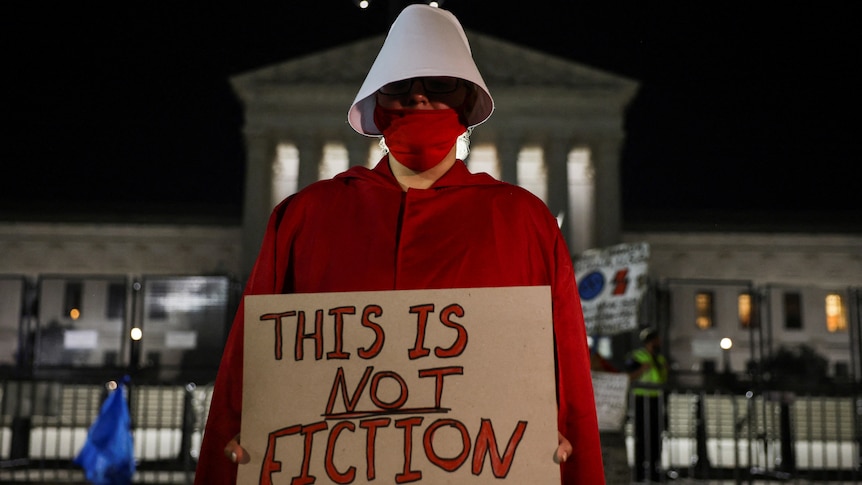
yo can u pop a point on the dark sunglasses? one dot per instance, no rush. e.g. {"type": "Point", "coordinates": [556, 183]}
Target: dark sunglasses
{"type": "Point", "coordinates": [435, 85]}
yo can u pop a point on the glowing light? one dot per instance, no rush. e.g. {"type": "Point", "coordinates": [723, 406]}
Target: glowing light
{"type": "Point", "coordinates": [74, 314]}
{"type": "Point", "coordinates": [744, 309]}
{"type": "Point", "coordinates": [363, 4]}
{"type": "Point", "coordinates": [836, 317]}
{"type": "Point", "coordinates": [726, 343]}
{"type": "Point", "coordinates": [136, 333]}
{"type": "Point", "coordinates": [703, 305]}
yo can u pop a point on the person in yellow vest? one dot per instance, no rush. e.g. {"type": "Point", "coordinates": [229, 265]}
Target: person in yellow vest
{"type": "Point", "coordinates": [647, 369]}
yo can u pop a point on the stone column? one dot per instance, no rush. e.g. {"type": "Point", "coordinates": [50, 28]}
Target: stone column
{"type": "Point", "coordinates": [581, 226]}
{"type": "Point", "coordinates": [605, 154]}
{"type": "Point", "coordinates": [508, 148]}
{"type": "Point", "coordinates": [257, 204]}
{"type": "Point", "coordinates": [310, 148]}
{"type": "Point", "coordinates": [358, 148]}
{"type": "Point", "coordinates": [556, 156]}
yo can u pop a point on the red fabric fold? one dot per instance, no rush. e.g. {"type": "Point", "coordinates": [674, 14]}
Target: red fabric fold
{"type": "Point", "coordinates": [360, 232]}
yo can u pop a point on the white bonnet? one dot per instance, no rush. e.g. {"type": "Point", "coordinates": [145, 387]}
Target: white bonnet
{"type": "Point", "coordinates": [423, 41]}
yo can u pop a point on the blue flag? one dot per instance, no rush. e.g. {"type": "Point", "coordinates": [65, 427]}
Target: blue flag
{"type": "Point", "coordinates": [108, 456]}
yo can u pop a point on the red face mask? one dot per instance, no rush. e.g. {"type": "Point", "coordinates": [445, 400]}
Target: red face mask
{"type": "Point", "coordinates": [419, 138]}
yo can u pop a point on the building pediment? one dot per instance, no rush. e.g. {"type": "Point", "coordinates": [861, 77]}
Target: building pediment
{"type": "Point", "coordinates": [540, 101]}
{"type": "Point", "coordinates": [503, 65]}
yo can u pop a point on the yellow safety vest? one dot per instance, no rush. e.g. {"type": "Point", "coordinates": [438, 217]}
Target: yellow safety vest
{"type": "Point", "coordinates": [657, 374]}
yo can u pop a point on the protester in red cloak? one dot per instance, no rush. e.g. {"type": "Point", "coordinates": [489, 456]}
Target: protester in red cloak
{"type": "Point", "coordinates": [418, 220]}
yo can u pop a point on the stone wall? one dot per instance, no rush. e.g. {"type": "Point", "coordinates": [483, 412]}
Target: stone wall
{"type": "Point", "coordinates": [31, 249]}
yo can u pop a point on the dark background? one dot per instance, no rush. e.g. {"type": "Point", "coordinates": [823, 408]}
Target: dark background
{"type": "Point", "coordinates": [746, 116]}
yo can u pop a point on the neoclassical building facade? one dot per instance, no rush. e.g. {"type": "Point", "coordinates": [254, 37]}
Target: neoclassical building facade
{"type": "Point", "coordinates": [557, 129]}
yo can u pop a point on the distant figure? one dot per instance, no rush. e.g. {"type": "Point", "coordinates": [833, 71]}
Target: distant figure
{"type": "Point", "coordinates": [646, 365]}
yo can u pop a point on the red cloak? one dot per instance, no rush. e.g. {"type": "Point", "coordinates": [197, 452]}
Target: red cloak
{"type": "Point", "coordinates": [360, 231]}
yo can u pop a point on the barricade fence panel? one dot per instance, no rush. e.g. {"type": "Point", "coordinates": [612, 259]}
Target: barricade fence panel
{"type": "Point", "coordinates": [44, 424]}
{"type": "Point", "coordinates": [709, 435]}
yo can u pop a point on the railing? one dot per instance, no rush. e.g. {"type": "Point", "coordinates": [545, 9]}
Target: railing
{"type": "Point", "coordinates": [745, 435]}
{"type": "Point", "coordinates": [742, 435]}
{"type": "Point", "coordinates": [715, 434]}
{"type": "Point", "coordinates": [44, 424]}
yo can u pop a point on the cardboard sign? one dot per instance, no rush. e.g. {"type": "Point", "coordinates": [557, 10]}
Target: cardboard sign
{"type": "Point", "coordinates": [612, 397]}
{"type": "Point", "coordinates": [434, 386]}
{"type": "Point", "coordinates": [611, 283]}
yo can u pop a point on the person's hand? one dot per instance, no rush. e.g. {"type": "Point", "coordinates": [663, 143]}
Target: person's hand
{"type": "Point", "coordinates": [236, 453]}
{"type": "Point", "coordinates": [564, 449]}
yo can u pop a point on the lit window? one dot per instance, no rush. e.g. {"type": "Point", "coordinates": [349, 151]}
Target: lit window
{"type": "Point", "coordinates": [836, 317]}
{"type": "Point", "coordinates": [703, 306]}
{"type": "Point", "coordinates": [745, 310]}
{"type": "Point", "coordinates": [792, 311]}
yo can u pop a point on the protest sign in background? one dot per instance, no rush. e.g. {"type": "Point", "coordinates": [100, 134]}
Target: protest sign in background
{"type": "Point", "coordinates": [440, 386]}
{"type": "Point", "coordinates": [611, 282]}
{"type": "Point", "coordinates": [611, 390]}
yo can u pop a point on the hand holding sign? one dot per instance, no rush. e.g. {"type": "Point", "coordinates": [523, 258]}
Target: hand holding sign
{"type": "Point", "coordinates": [236, 453]}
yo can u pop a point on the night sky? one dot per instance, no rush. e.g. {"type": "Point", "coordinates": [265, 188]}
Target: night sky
{"type": "Point", "coordinates": [745, 116]}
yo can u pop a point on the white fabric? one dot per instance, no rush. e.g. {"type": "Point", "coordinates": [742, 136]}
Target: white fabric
{"type": "Point", "coordinates": [423, 41]}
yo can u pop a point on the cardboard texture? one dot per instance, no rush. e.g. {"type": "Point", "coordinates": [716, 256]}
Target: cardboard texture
{"type": "Point", "coordinates": [432, 386]}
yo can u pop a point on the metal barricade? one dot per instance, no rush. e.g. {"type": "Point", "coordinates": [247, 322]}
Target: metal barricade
{"type": "Point", "coordinates": [44, 425]}
{"type": "Point", "coordinates": [710, 433]}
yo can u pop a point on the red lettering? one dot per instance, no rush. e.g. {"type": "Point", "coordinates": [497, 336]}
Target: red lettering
{"type": "Point", "coordinates": [278, 337]}
{"type": "Point", "coordinates": [341, 383]}
{"type": "Point", "coordinates": [338, 352]}
{"type": "Point", "coordinates": [329, 464]}
{"type": "Point", "coordinates": [270, 465]}
{"type": "Point", "coordinates": [375, 387]}
{"type": "Point", "coordinates": [486, 442]}
{"type": "Point", "coordinates": [316, 335]}
{"type": "Point", "coordinates": [308, 431]}
{"type": "Point", "coordinates": [377, 345]}
{"type": "Point", "coordinates": [419, 350]}
{"type": "Point", "coordinates": [484, 445]}
{"type": "Point", "coordinates": [408, 475]}
{"type": "Point", "coordinates": [438, 373]}
{"type": "Point", "coordinates": [371, 426]}
{"type": "Point", "coordinates": [448, 464]}
{"type": "Point", "coordinates": [460, 343]}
